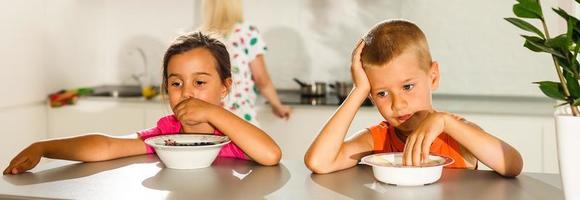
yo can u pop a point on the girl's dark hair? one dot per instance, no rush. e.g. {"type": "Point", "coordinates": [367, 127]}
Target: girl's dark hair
{"type": "Point", "coordinates": [193, 40]}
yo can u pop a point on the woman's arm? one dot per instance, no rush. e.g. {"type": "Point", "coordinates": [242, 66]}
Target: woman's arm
{"type": "Point", "coordinates": [267, 89]}
{"type": "Point", "coordinates": [86, 148]}
{"type": "Point", "coordinates": [252, 140]}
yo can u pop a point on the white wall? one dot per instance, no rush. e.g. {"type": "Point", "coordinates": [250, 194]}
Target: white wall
{"type": "Point", "coordinates": [479, 52]}
{"type": "Point", "coordinates": [95, 42]}
{"type": "Point", "coordinates": [149, 25]}
{"type": "Point", "coordinates": [23, 80]}
{"type": "Point", "coordinates": [313, 40]}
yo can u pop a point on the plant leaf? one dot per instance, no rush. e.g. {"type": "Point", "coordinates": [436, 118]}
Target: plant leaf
{"type": "Point", "coordinates": [528, 9]}
{"type": "Point", "coordinates": [572, 22]}
{"type": "Point", "coordinates": [534, 41]}
{"type": "Point", "coordinates": [525, 26]}
{"type": "Point", "coordinates": [532, 47]}
{"type": "Point", "coordinates": [560, 41]}
{"type": "Point", "coordinates": [576, 102]}
{"type": "Point", "coordinates": [552, 89]}
{"type": "Point", "coordinates": [572, 84]}
{"type": "Point", "coordinates": [565, 65]}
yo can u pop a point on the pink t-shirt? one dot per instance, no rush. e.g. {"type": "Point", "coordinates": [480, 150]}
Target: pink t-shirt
{"type": "Point", "coordinates": [170, 125]}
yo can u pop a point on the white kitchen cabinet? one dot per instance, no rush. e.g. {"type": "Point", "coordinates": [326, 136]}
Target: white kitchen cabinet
{"type": "Point", "coordinates": [531, 133]}
{"type": "Point", "coordinates": [295, 135]}
{"type": "Point", "coordinates": [525, 133]}
{"type": "Point", "coordinates": [109, 116]}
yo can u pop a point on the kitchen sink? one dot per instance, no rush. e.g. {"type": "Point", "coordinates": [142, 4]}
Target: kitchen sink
{"type": "Point", "coordinates": [117, 91]}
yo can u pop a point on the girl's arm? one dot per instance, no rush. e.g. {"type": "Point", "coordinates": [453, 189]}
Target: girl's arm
{"type": "Point", "coordinates": [493, 152]}
{"type": "Point", "coordinates": [252, 140]}
{"type": "Point", "coordinates": [267, 89]}
{"type": "Point", "coordinates": [329, 152]}
{"type": "Point", "coordinates": [86, 148]}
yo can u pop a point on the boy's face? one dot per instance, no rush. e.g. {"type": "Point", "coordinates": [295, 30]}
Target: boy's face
{"type": "Point", "coordinates": [402, 88]}
{"type": "Point", "coordinates": [194, 74]}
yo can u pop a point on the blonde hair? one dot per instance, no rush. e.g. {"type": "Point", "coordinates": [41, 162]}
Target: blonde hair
{"type": "Point", "coordinates": [220, 16]}
{"type": "Point", "coordinates": [389, 39]}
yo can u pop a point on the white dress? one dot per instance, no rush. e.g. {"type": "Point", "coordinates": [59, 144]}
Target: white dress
{"type": "Point", "coordinates": [244, 44]}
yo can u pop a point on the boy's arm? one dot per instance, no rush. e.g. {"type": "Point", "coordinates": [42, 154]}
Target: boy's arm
{"type": "Point", "coordinates": [86, 148]}
{"type": "Point", "coordinates": [329, 152]}
{"type": "Point", "coordinates": [252, 140]}
{"type": "Point", "coordinates": [490, 150]}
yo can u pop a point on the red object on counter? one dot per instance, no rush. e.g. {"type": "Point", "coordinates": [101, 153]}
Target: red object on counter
{"type": "Point", "coordinates": [63, 97]}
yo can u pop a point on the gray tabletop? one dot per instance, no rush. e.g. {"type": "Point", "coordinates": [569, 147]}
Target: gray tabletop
{"type": "Point", "coordinates": [144, 177]}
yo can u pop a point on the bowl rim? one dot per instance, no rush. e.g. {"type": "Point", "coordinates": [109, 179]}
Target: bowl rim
{"type": "Point", "coordinates": [447, 161]}
{"type": "Point", "coordinates": [149, 141]}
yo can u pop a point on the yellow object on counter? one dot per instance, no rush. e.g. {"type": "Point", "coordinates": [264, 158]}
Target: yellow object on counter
{"type": "Point", "coordinates": [148, 92]}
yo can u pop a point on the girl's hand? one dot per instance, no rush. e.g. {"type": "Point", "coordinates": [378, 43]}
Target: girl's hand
{"type": "Point", "coordinates": [193, 111]}
{"type": "Point", "coordinates": [356, 69]}
{"type": "Point", "coordinates": [25, 160]}
{"type": "Point", "coordinates": [419, 142]}
{"type": "Point", "coordinates": [282, 111]}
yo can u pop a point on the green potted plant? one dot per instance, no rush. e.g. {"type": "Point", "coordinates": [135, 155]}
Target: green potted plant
{"type": "Point", "coordinates": [563, 49]}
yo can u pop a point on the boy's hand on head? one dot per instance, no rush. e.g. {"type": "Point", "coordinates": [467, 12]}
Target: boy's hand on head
{"type": "Point", "coordinates": [356, 69]}
{"type": "Point", "coordinates": [25, 160]}
{"type": "Point", "coordinates": [419, 142]}
{"type": "Point", "coordinates": [192, 111]}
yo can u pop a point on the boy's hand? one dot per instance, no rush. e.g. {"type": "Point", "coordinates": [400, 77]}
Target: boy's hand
{"type": "Point", "coordinates": [25, 160]}
{"type": "Point", "coordinates": [419, 142]}
{"type": "Point", "coordinates": [356, 69]}
{"type": "Point", "coordinates": [193, 111]}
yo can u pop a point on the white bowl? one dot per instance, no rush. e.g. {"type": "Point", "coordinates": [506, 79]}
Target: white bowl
{"type": "Point", "coordinates": [388, 168]}
{"type": "Point", "coordinates": [187, 157]}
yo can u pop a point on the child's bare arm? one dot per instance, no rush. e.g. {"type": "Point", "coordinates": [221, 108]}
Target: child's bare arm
{"type": "Point", "coordinates": [493, 152]}
{"type": "Point", "coordinates": [86, 148]}
{"type": "Point", "coordinates": [490, 150]}
{"type": "Point", "coordinates": [329, 152]}
{"type": "Point", "coordinates": [253, 141]}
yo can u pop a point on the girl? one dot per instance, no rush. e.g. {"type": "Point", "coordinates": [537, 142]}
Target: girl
{"type": "Point", "coordinates": [247, 47]}
{"type": "Point", "coordinates": [196, 76]}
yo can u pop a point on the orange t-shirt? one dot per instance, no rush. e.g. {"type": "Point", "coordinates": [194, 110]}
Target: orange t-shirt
{"type": "Point", "coordinates": [385, 140]}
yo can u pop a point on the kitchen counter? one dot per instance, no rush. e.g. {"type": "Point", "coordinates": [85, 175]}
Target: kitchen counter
{"type": "Point", "coordinates": [144, 177]}
{"type": "Point", "coordinates": [503, 105]}
{"type": "Point", "coordinates": [456, 103]}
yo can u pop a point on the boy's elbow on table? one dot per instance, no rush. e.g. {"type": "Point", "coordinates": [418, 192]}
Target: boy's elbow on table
{"type": "Point", "coordinates": [315, 166]}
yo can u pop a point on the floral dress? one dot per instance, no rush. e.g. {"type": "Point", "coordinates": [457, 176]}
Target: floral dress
{"type": "Point", "coordinates": [244, 44]}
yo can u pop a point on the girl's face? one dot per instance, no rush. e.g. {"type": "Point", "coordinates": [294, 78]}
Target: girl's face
{"type": "Point", "coordinates": [401, 89]}
{"type": "Point", "coordinates": [194, 74]}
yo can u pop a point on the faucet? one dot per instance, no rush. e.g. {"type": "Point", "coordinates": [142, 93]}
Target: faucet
{"type": "Point", "coordinates": [142, 78]}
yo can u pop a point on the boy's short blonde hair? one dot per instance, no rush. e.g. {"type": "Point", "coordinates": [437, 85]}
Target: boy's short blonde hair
{"type": "Point", "coordinates": [389, 39]}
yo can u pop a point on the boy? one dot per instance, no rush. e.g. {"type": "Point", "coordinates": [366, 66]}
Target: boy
{"type": "Point", "coordinates": [394, 65]}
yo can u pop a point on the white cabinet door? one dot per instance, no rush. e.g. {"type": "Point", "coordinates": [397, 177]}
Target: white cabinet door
{"type": "Point", "coordinates": [295, 135]}
{"type": "Point", "coordinates": [154, 112]}
{"type": "Point", "coordinates": [93, 116]}
{"type": "Point", "coordinates": [525, 133]}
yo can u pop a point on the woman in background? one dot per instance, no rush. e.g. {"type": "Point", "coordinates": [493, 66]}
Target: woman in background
{"type": "Point", "coordinates": [246, 48]}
